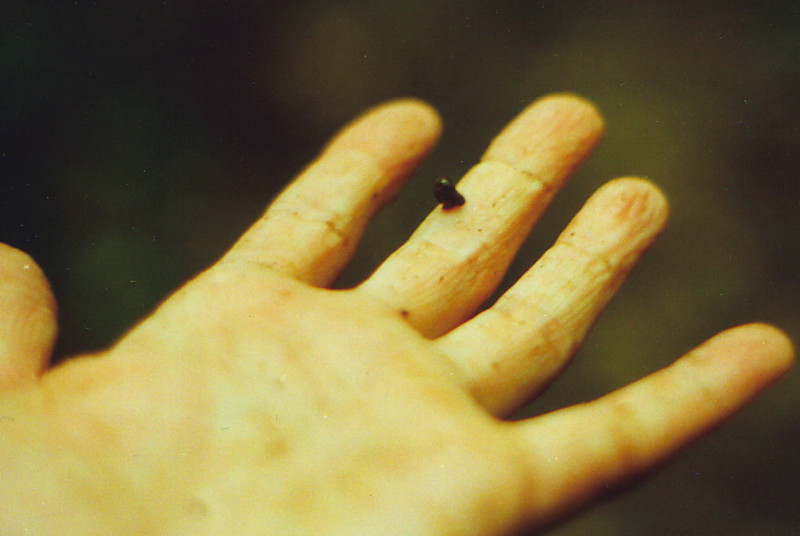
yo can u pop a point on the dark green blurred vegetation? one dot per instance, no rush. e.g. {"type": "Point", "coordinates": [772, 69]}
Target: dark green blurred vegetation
{"type": "Point", "coordinates": [140, 138]}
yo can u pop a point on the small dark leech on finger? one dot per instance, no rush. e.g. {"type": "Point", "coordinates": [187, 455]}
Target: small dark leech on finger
{"type": "Point", "coordinates": [446, 194]}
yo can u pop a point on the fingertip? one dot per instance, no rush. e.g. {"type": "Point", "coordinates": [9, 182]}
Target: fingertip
{"type": "Point", "coordinates": [19, 271]}
{"type": "Point", "coordinates": [573, 113]}
{"type": "Point", "coordinates": [642, 200]}
{"type": "Point", "coordinates": [412, 112]}
{"type": "Point", "coordinates": [577, 105]}
{"type": "Point", "coordinates": [397, 133]}
{"type": "Point", "coordinates": [761, 344]}
{"type": "Point", "coordinates": [622, 218]}
{"type": "Point", "coordinates": [27, 316]}
{"type": "Point", "coordinates": [420, 110]}
{"type": "Point", "coordinates": [549, 138]}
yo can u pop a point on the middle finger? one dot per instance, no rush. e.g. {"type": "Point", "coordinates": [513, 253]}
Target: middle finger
{"type": "Point", "coordinates": [456, 258]}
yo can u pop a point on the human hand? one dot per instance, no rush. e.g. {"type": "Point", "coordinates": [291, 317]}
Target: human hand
{"type": "Point", "coordinates": [256, 401]}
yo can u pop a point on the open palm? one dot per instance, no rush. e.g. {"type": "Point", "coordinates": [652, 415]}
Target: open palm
{"type": "Point", "coordinates": [257, 401]}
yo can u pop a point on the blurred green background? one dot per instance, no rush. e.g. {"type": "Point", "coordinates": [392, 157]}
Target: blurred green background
{"type": "Point", "coordinates": [139, 139]}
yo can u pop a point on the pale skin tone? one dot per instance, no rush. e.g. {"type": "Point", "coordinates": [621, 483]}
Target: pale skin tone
{"type": "Point", "coordinates": [256, 401]}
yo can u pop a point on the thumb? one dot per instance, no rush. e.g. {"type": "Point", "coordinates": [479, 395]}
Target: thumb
{"type": "Point", "coordinates": [28, 321]}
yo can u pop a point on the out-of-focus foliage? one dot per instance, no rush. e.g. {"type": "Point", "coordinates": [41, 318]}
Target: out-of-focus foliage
{"type": "Point", "coordinates": [140, 138]}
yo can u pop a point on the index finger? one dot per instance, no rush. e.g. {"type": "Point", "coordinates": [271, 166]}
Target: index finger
{"type": "Point", "coordinates": [311, 230]}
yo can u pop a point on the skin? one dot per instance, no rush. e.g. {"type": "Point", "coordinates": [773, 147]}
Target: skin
{"type": "Point", "coordinates": [255, 401]}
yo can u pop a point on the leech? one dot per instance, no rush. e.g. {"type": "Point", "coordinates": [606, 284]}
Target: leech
{"type": "Point", "coordinates": [446, 194]}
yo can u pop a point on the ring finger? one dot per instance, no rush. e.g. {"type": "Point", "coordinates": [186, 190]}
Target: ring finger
{"type": "Point", "coordinates": [514, 348]}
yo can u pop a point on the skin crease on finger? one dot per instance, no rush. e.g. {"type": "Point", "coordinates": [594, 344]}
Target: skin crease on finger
{"type": "Point", "coordinates": [557, 300]}
{"type": "Point", "coordinates": [371, 159]}
{"type": "Point", "coordinates": [455, 259]}
{"type": "Point", "coordinates": [251, 402]}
